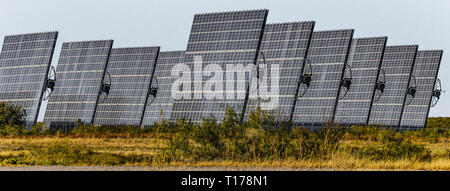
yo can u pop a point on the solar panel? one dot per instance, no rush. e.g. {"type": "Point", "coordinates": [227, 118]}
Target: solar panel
{"type": "Point", "coordinates": [425, 71]}
{"type": "Point", "coordinates": [364, 60]}
{"type": "Point", "coordinates": [24, 65]}
{"type": "Point", "coordinates": [131, 72]}
{"type": "Point", "coordinates": [398, 62]}
{"type": "Point", "coordinates": [159, 107]}
{"type": "Point", "coordinates": [81, 68]}
{"type": "Point", "coordinates": [281, 60]}
{"type": "Point", "coordinates": [226, 41]}
{"type": "Point", "coordinates": [328, 55]}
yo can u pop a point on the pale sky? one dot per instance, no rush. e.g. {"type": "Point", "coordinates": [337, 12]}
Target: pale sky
{"type": "Point", "coordinates": [167, 23]}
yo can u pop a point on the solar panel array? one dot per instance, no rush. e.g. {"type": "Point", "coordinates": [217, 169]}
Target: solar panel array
{"type": "Point", "coordinates": [425, 70]}
{"type": "Point", "coordinates": [81, 68]}
{"type": "Point", "coordinates": [233, 59]}
{"type": "Point", "coordinates": [328, 55]}
{"type": "Point", "coordinates": [160, 107]}
{"type": "Point", "coordinates": [131, 72]}
{"type": "Point", "coordinates": [24, 64]}
{"type": "Point", "coordinates": [398, 62]}
{"type": "Point", "coordinates": [223, 41]}
{"type": "Point", "coordinates": [365, 59]}
{"type": "Point", "coordinates": [283, 48]}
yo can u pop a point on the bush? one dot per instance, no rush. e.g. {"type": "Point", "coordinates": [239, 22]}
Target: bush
{"type": "Point", "coordinates": [12, 119]}
{"type": "Point", "coordinates": [164, 126]}
{"type": "Point", "coordinates": [179, 147]}
{"type": "Point", "coordinates": [256, 139]}
{"type": "Point", "coordinates": [40, 129]}
{"type": "Point", "coordinates": [97, 130]}
{"type": "Point", "coordinates": [373, 133]}
{"type": "Point", "coordinates": [438, 122]}
{"type": "Point", "coordinates": [12, 115]}
{"type": "Point", "coordinates": [394, 151]}
{"type": "Point", "coordinates": [319, 145]}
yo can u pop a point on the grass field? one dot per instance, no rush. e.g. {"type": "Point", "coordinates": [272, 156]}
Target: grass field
{"type": "Point", "coordinates": [256, 143]}
{"type": "Point", "coordinates": [143, 151]}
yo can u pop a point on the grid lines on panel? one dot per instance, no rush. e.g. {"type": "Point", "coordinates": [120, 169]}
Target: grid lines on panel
{"type": "Point", "coordinates": [365, 59]}
{"type": "Point", "coordinates": [131, 71]}
{"type": "Point", "coordinates": [425, 70]}
{"type": "Point", "coordinates": [284, 46]}
{"type": "Point", "coordinates": [328, 54]}
{"type": "Point", "coordinates": [24, 63]}
{"type": "Point", "coordinates": [160, 107]}
{"type": "Point", "coordinates": [222, 41]}
{"type": "Point", "coordinates": [80, 72]}
{"type": "Point", "coordinates": [398, 62]}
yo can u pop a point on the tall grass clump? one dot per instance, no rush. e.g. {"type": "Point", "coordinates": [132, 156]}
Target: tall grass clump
{"type": "Point", "coordinates": [59, 152]}
{"type": "Point", "coordinates": [63, 152]}
{"type": "Point", "coordinates": [319, 145]}
{"type": "Point", "coordinates": [82, 129]}
{"type": "Point", "coordinates": [256, 139]}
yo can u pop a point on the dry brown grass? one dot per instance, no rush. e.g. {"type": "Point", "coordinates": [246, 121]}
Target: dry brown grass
{"type": "Point", "coordinates": [149, 146]}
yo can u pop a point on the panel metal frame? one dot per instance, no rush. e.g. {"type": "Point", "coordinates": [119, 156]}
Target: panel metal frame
{"type": "Point", "coordinates": [166, 60]}
{"type": "Point", "coordinates": [56, 121]}
{"type": "Point", "coordinates": [284, 56]}
{"type": "Point", "coordinates": [355, 51]}
{"type": "Point", "coordinates": [138, 59]}
{"type": "Point", "coordinates": [207, 40]}
{"type": "Point", "coordinates": [297, 114]}
{"type": "Point", "coordinates": [30, 120]}
{"type": "Point", "coordinates": [404, 95]}
{"type": "Point", "coordinates": [417, 68]}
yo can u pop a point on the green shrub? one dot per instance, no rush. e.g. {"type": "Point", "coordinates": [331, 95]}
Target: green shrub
{"type": "Point", "coordinates": [373, 133]}
{"type": "Point", "coordinates": [40, 129]}
{"type": "Point", "coordinates": [12, 115]}
{"type": "Point", "coordinates": [319, 145]}
{"type": "Point", "coordinates": [12, 119]}
{"type": "Point", "coordinates": [163, 126]}
{"type": "Point", "coordinates": [394, 151]}
{"type": "Point", "coordinates": [179, 148]}
{"type": "Point", "coordinates": [88, 129]}
{"type": "Point", "coordinates": [432, 134]}
{"type": "Point", "coordinates": [256, 139]}
{"type": "Point", "coordinates": [438, 122]}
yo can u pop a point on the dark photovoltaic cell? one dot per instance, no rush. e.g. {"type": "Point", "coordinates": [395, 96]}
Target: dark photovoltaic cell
{"type": "Point", "coordinates": [223, 41]}
{"type": "Point", "coordinates": [24, 64]}
{"type": "Point", "coordinates": [364, 60]}
{"type": "Point", "coordinates": [80, 72]}
{"type": "Point", "coordinates": [131, 72]}
{"type": "Point", "coordinates": [398, 62]}
{"type": "Point", "coordinates": [425, 70]}
{"type": "Point", "coordinates": [160, 107]}
{"type": "Point", "coordinates": [328, 55]}
{"type": "Point", "coordinates": [284, 47]}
